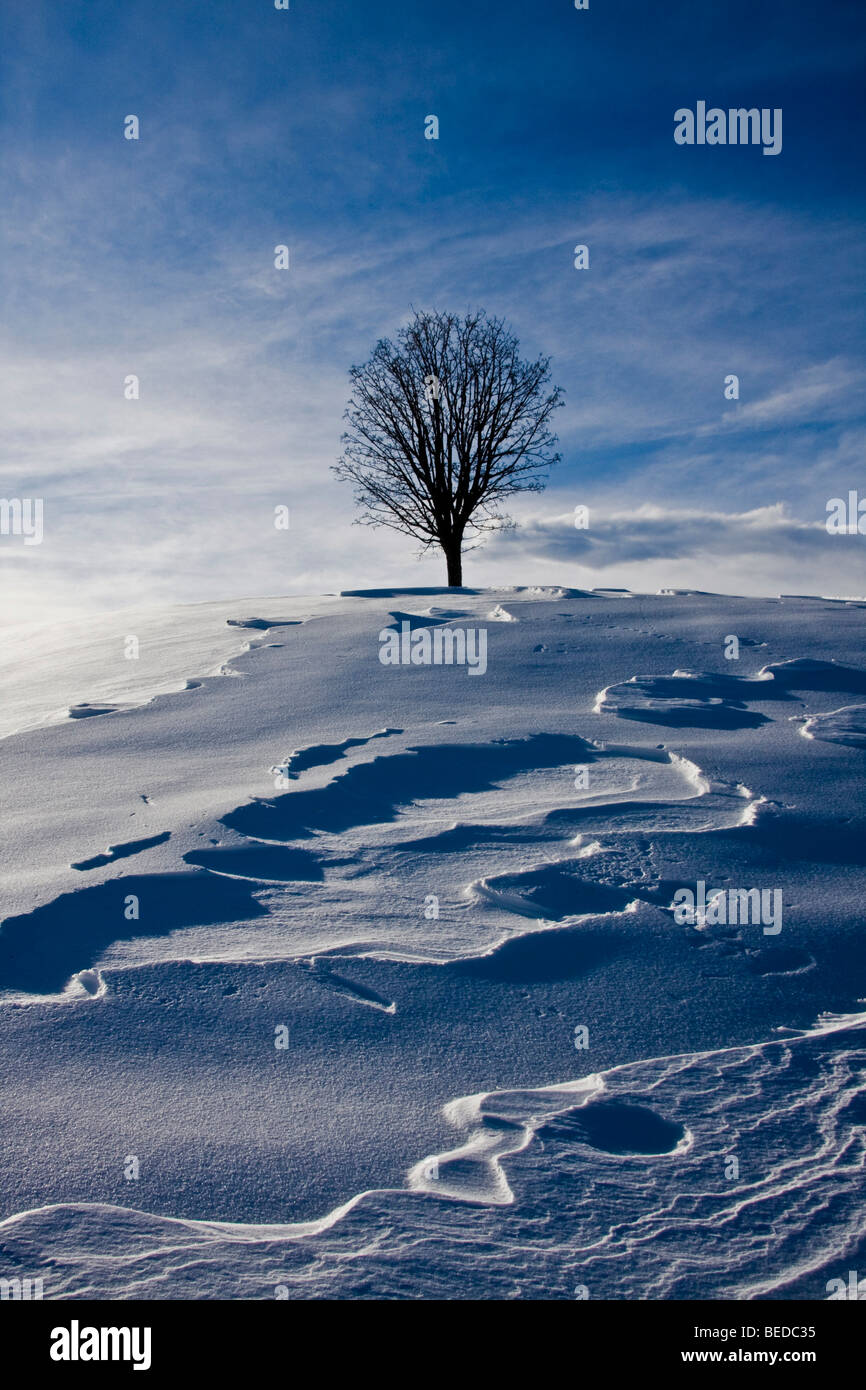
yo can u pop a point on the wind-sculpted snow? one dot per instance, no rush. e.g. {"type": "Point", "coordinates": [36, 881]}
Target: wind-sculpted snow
{"type": "Point", "coordinates": [846, 726]}
{"type": "Point", "coordinates": [262, 624]}
{"type": "Point", "coordinates": [260, 863]}
{"type": "Point", "coordinates": [321, 755]}
{"type": "Point", "coordinates": [719, 701]}
{"type": "Point", "coordinates": [613, 1185]}
{"type": "Point", "coordinates": [39, 951]}
{"type": "Point", "coordinates": [376, 792]}
{"type": "Point", "coordinates": [124, 851]}
{"type": "Point", "coordinates": [377, 829]}
{"type": "Point", "coordinates": [806, 673]}
{"type": "Point", "coordinates": [374, 1009]}
{"type": "Point", "coordinates": [688, 698]}
{"type": "Point", "coordinates": [77, 669]}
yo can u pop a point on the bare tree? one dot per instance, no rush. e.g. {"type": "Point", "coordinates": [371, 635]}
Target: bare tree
{"type": "Point", "coordinates": [443, 426]}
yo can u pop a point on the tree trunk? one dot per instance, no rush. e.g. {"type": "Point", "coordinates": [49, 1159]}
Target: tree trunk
{"type": "Point", "coordinates": [454, 561]}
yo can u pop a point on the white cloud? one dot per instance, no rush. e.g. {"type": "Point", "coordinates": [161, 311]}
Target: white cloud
{"type": "Point", "coordinates": [763, 551]}
{"type": "Point", "coordinates": [243, 384]}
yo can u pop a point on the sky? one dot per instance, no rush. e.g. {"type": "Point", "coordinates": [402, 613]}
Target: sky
{"type": "Point", "coordinates": [305, 127]}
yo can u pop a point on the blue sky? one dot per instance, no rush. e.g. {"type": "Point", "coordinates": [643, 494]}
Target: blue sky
{"type": "Point", "coordinates": [305, 127]}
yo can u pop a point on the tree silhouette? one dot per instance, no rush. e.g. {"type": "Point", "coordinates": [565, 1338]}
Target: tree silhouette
{"type": "Point", "coordinates": [445, 424]}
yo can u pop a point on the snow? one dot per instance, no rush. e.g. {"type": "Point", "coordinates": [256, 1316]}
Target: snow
{"type": "Point", "coordinates": [313, 939]}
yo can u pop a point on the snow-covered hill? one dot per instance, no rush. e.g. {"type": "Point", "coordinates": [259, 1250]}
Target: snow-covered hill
{"type": "Point", "coordinates": [329, 977]}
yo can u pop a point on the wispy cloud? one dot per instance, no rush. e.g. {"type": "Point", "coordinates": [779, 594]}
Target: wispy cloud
{"type": "Point", "coordinates": [156, 258]}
